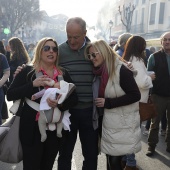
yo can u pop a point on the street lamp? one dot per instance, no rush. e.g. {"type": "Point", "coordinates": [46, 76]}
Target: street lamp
{"type": "Point", "coordinates": [111, 25]}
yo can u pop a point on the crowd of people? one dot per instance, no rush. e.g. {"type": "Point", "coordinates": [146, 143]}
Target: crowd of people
{"type": "Point", "coordinates": [104, 107]}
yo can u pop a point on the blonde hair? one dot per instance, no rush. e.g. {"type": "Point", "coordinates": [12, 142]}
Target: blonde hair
{"type": "Point", "coordinates": [108, 54]}
{"type": "Point", "coordinates": [38, 50]}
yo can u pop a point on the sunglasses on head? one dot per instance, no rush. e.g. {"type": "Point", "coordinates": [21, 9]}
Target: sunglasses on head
{"type": "Point", "coordinates": [47, 48]}
{"type": "Point", "coordinates": [93, 55]}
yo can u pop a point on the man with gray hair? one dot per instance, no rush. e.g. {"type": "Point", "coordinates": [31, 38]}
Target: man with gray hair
{"type": "Point", "coordinates": [159, 62]}
{"type": "Point", "coordinates": [119, 47]}
{"type": "Point", "coordinates": [83, 120]}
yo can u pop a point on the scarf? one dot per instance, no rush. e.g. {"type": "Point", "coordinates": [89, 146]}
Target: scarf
{"type": "Point", "coordinates": [103, 73]}
{"type": "Point", "coordinates": [56, 73]}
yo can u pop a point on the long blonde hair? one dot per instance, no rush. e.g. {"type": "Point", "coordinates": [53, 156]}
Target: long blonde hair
{"type": "Point", "coordinates": [38, 50]}
{"type": "Point", "coordinates": [108, 54]}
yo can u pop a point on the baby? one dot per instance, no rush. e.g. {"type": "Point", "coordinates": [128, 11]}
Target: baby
{"type": "Point", "coordinates": [50, 118]}
{"type": "Point", "coordinates": [50, 83]}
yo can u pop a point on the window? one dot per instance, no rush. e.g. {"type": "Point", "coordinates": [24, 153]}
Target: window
{"type": "Point", "coordinates": [142, 17]}
{"type": "Point", "coordinates": [136, 2]}
{"type": "Point", "coordinates": [161, 13]}
{"type": "Point", "coordinates": [152, 14]}
{"type": "Point", "coordinates": [143, 1]}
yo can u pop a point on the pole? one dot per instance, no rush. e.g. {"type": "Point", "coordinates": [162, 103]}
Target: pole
{"type": "Point", "coordinates": [111, 25]}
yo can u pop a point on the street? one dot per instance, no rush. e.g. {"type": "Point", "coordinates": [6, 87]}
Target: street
{"type": "Point", "coordinates": [160, 161]}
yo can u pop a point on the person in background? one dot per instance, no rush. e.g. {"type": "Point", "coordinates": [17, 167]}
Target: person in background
{"type": "Point", "coordinates": [116, 97]}
{"type": "Point", "coordinates": [119, 47]}
{"type": "Point", "coordinates": [113, 43]}
{"type": "Point", "coordinates": [163, 119]}
{"type": "Point", "coordinates": [4, 74]}
{"type": "Point", "coordinates": [31, 51]}
{"type": "Point", "coordinates": [39, 155]}
{"type": "Point", "coordinates": [4, 110]}
{"type": "Point", "coordinates": [135, 53]}
{"type": "Point", "coordinates": [18, 55]}
{"type": "Point", "coordinates": [159, 62]}
{"type": "Point", "coordinates": [152, 50]}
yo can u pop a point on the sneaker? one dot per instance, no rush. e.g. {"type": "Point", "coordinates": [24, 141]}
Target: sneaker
{"type": "Point", "coordinates": [163, 132]}
{"type": "Point", "coordinates": [146, 132]}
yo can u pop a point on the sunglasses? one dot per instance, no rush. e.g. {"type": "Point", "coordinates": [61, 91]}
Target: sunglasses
{"type": "Point", "coordinates": [93, 55]}
{"type": "Point", "coordinates": [47, 48]}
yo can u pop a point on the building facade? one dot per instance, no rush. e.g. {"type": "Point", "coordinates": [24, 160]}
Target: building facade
{"type": "Point", "coordinates": [150, 18]}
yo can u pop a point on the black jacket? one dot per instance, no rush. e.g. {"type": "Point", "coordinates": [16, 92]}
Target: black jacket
{"type": "Point", "coordinates": [161, 85]}
{"type": "Point", "coordinates": [21, 87]}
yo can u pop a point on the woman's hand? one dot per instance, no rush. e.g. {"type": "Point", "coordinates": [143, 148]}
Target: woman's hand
{"type": "Point", "coordinates": [18, 70]}
{"type": "Point", "coordinates": [40, 81]}
{"type": "Point", "coordinates": [53, 102]}
{"type": "Point", "coordinates": [153, 76]}
{"type": "Point", "coordinates": [130, 66]}
{"type": "Point", "coordinates": [99, 102]}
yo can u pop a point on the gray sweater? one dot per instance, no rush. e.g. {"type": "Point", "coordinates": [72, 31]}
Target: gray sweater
{"type": "Point", "coordinates": [80, 70]}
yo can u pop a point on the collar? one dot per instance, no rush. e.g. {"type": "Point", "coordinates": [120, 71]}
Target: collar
{"type": "Point", "coordinates": [86, 40]}
{"type": "Point", "coordinates": [55, 75]}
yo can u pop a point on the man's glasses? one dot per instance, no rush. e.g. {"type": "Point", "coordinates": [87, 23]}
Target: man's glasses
{"type": "Point", "coordinates": [93, 55]}
{"type": "Point", "coordinates": [47, 48]}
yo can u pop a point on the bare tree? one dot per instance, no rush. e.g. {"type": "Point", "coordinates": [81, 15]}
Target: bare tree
{"type": "Point", "coordinates": [126, 16]}
{"type": "Point", "coordinates": [15, 13]}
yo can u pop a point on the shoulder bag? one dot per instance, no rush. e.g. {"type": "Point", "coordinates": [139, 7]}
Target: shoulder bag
{"type": "Point", "coordinates": [10, 145]}
{"type": "Point", "coordinates": [147, 110]}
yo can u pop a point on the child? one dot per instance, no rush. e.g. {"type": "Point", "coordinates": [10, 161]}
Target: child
{"type": "Point", "coordinates": [50, 118]}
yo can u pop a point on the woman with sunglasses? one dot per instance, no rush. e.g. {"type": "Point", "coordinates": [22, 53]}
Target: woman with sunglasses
{"type": "Point", "coordinates": [39, 155]}
{"type": "Point", "coordinates": [116, 97]}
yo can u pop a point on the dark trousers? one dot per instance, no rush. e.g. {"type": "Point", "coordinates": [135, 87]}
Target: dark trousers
{"type": "Point", "coordinates": [41, 155]}
{"type": "Point", "coordinates": [1, 103]}
{"type": "Point", "coordinates": [163, 122]}
{"type": "Point", "coordinates": [162, 105]}
{"type": "Point", "coordinates": [81, 121]}
{"type": "Point", "coordinates": [114, 162]}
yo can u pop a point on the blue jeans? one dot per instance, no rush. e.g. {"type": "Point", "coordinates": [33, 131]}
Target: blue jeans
{"type": "Point", "coordinates": [1, 103]}
{"type": "Point", "coordinates": [130, 159]}
{"type": "Point", "coordinates": [81, 121]}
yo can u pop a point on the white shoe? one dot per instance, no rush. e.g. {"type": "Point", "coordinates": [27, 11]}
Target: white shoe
{"type": "Point", "coordinates": [146, 132]}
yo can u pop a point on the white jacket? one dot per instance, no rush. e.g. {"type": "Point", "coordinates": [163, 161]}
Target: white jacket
{"type": "Point", "coordinates": [121, 132]}
{"type": "Point", "coordinates": [142, 79]}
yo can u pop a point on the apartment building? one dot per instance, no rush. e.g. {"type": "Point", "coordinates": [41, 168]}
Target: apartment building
{"type": "Point", "coordinates": [150, 18]}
